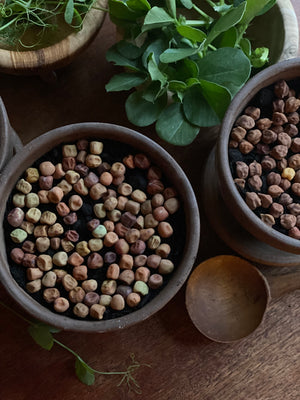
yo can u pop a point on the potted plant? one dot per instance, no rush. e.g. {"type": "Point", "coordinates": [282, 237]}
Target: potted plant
{"type": "Point", "coordinates": [185, 64]}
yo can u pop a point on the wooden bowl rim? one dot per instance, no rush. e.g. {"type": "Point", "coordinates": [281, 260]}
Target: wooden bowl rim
{"type": "Point", "coordinates": [287, 69]}
{"type": "Point", "coordinates": [174, 173]}
{"type": "Point", "coordinates": [64, 50]}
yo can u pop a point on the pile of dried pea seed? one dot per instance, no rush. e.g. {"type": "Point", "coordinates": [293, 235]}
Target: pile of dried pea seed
{"type": "Point", "coordinates": [92, 233]}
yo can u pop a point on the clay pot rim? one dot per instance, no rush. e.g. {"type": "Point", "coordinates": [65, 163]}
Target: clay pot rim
{"type": "Point", "coordinates": [287, 69]}
{"type": "Point", "coordinates": [57, 55]}
{"type": "Point", "coordinates": [47, 141]}
{"type": "Point", "coordinates": [6, 136]}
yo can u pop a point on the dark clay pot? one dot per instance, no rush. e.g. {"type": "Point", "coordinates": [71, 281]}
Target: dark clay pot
{"type": "Point", "coordinates": [238, 208]}
{"type": "Point", "coordinates": [173, 174]}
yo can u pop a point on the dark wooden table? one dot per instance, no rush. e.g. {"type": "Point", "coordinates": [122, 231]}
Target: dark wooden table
{"type": "Point", "coordinates": [185, 365]}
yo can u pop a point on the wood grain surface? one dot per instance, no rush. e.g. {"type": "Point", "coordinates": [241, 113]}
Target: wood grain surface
{"type": "Point", "coordinates": [184, 364]}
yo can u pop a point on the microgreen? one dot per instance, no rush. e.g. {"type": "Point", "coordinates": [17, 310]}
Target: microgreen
{"type": "Point", "coordinates": [42, 334]}
{"type": "Point", "coordinates": [17, 17]}
{"type": "Point", "coordinates": [183, 61]}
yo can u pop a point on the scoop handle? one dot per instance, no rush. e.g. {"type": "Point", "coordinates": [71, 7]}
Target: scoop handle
{"type": "Point", "coordinates": [282, 284]}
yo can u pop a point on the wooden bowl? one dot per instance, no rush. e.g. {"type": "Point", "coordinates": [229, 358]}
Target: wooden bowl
{"type": "Point", "coordinates": [286, 70]}
{"type": "Point", "coordinates": [172, 172]}
{"type": "Point", "coordinates": [50, 58]}
{"type": "Point", "coordinates": [7, 137]}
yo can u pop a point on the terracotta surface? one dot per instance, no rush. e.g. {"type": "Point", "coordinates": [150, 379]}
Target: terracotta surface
{"type": "Point", "coordinates": [185, 365]}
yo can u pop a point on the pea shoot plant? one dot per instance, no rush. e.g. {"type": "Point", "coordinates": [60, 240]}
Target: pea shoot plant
{"type": "Point", "coordinates": [17, 16]}
{"type": "Point", "coordinates": [182, 72]}
{"type": "Point", "coordinates": [43, 335]}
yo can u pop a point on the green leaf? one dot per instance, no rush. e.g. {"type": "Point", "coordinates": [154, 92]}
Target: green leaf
{"type": "Point", "coordinates": [156, 18]}
{"type": "Point", "coordinates": [227, 38]}
{"type": "Point", "coordinates": [156, 47]}
{"type": "Point", "coordinates": [173, 127]}
{"type": "Point", "coordinates": [124, 81]}
{"type": "Point", "coordinates": [84, 373]}
{"type": "Point", "coordinates": [119, 10]}
{"type": "Point", "coordinates": [187, 4]}
{"type": "Point", "coordinates": [186, 69]}
{"type": "Point", "coordinates": [226, 21]}
{"type": "Point", "coordinates": [196, 35]}
{"type": "Point", "coordinates": [171, 5]}
{"type": "Point", "coordinates": [141, 112]}
{"type": "Point", "coordinates": [253, 8]}
{"type": "Point", "coordinates": [153, 91]}
{"type": "Point", "coordinates": [177, 86]}
{"type": "Point", "coordinates": [173, 55]}
{"type": "Point", "coordinates": [267, 7]}
{"type": "Point", "coordinates": [154, 71]}
{"type": "Point", "coordinates": [205, 104]}
{"type": "Point", "coordinates": [139, 5]}
{"type": "Point", "coordinates": [69, 12]}
{"type": "Point", "coordinates": [113, 55]}
{"type": "Point", "coordinates": [41, 334]}
{"type": "Point", "coordinates": [245, 45]}
{"type": "Point", "coordinates": [259, 57]}
{"type": "Point", "coordinates": [129, 50]}
{"type": "Point", "coordinates": [227, 67]}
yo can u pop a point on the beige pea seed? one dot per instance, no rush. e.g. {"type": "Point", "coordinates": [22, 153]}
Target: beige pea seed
{"type": "Point", "coordinates": [95, 244]}
{"type": "Point", "coordinates": [48, 218]}
{"type": "Point", "coordinates": [55, 230]}
{"type": "Point", "coordinates": [81, 310]}
{"type": "Point", "coordinates": [117, 302]}
{"type": "Point", "coordinates": [76, 295]}
{"type": "Point", "coordinates": [69, 150]}
{"type": "Point", "coordinates": [93, 161]}
{"type": "Point", "coordinates": [49, 279]}
{"type": "Point", "coordinates": [23, 186]}
{"type": "Point", "coordinates": [19, 200]}
{"type": "Point", "coordinates": [72, 177]}
{"type": "Point", "coordinates": [105, 300]}
{"type": "Point", "coordinates": [163, 250]}
{"type": "Point", "coordinates": [97, 311]}
{"type": "Point", "coordinates": [33, 215]}
{"type": "Point", "coordinates": [109, 287]}
{"type": "Point", "coordinates": [69, 282]}
{"type": "Point", "coordinates": [34, 286]}
{"type": "Point", "coordinates": [60, 273]}
{"type": "Point", "coordinates": [33, 273]}
{"type": "Point", "coordinates": [82, 248]}
{"type": "Point", "coordinates": [32, 200]}
{"type": "Point", "coordinates": [40, 231]}
{"type": "Point", "coordinates": [165, 267]}
{"type": "Point", "coordinates": [67, 245]}
{"type": "Point", "coordinates": [42, 244]}
{"type": "Point", "coordinates": [51, 294]}
{"type": "Point", "coordinates": [28, 227]}
{"type": "Point", "coordinates": [139, 196]}
{"type": "Point", "coordinates": [44, 262]}
{"type": "Point", "coordinates": [60, 259]}
{"type": "Point", "coordinates": [89, 285]}
{"type": "Point", "coordinates": [99, 210]}
{"type": "Point", "coordinates": [96, 147]}
{"type": "Point", "coordinates": [65, 186]}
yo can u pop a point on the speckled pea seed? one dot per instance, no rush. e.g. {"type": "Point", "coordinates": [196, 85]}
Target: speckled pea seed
{"type": "Point", "coordinates": [82, 248]}
{"type": "Point", "coordinates": [126, 276]}
{"type": "Point", "coordinates": [268, 219]}
{"type": "Point", "coordinates": [55, 243]}
{"type": "Point", "coordinates": [69, 282]}
{"type": "Point", "coordinates": [163, 250]}
{"type": "Point", "coordinates": [34, 286]}
{"type": "Point", "coordinates": [109, 286]}
{"type": "Point", "coordinates": [153, 261]}
{"type": "Point", "coordinates": [146, 207]}
{"type": "Point", "coordinates": [75, 259]}
{"type": "Point", "coordinates": [150, 221]}
{"type": "Point", "coordinates": [44, 262]}
{"type": "Point", "coordinates": [95, 261]}
{"type": "Point", "coordinates": [51, 294]}
{"type": "Point", "coordinates": [81, 310]}
{"type": "Point", "coordinates": [276, 210]}
{"type": "Point", "coordinates": [76, 295]}
{"type": "Point", "coordinates": [55, 230]}
{"type": "Point", "coordinates": [80, 272]}
{"type": "Point", "coordinates": [91, 298]}
{"type": "Point", "coordinates": [80, 188]}
{"type": "Point", "coordinates": [89, 285]}
{"type": "Point", "coordinates": [41, 231]}
{"type": "Point", "coordinates": [165, 229]}
{"type": "Point", "coordinates": [28, 227]}
{"type": "Point", "coordinates": [67, 245]}
{"type": "Point", "coordinates": [124, 290]}
{"type": "Point", "coordinates": [29, 260]}
{"type": "Point", "coordinates": [165, 266]}
{"type": "Point", "coordinates": [296, 188]}
{"type": "Point", "coordinates": [121, 246]}
{"type": "Point", "coordinates": [15, 217]}
{"type": "Point", "coordinates": [93, 160]}
{"type": "Point", "coordinates": [99, 210]}
{"type": "Point", "coordinates": [17, 255]}
{"type": "Point", "coordinates": [70, 219]}
{"type": "Point", "coordinates": [61, 304]}
{"type": "Point", "coordinates": [48, 218]}
{"type": "Point", "coordinates": [75, 202]}
{"type": "Point", "coordinates": [294, 232]}
{"type": "Point", "coordinates": [133, 207]}
{"type": "Point", "coordinates": [62, 209]}
{"type": "Point", "coordinates": [113, 271]}
{"type": "Point", "coordinates": [65, 186]}
{"type": "Point", "coordinates": [141, 288]}
{"type": "Point", "coordinates": [153, 242]}
{"type": "Point", "coordinates": [23, 186]}
{"type": "Point", "coordinates": [18, 235]}
{"type": "Point", "coordinates": [288, 221]}
{"type": "Point", "coordinates": [97, 311]}
{"type": "Point", "coordinates": [142, 274]}
{"type": "Point", "coordinates": [43, 196]}
{"type": "Point", "coordinates": [172, 205]}
{"type": "Point", "coordinates": [32, 175]}
{"type": "Point", "coordinates": [110, 239]}
{"type": "Point", "coordinates": [125, 189]}
{"type": "Point", "coordinates": [155, 281]}
{"type": "Point", "coordinates": [69, 150]}
{"type": "Point", "coordinates": [49, 279]}
{"type": "Point", "coordinates": [33, 273]}
{"type": "Point", "coordinates": [46, 182]}
{"type": "Point", "coordinates": [60, 259]}
{"type": "Point", "coordinates": [133, 299]}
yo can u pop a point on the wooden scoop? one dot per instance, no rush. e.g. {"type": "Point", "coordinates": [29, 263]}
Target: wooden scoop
{"type": "Point", "coordinates": [226, 296]}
